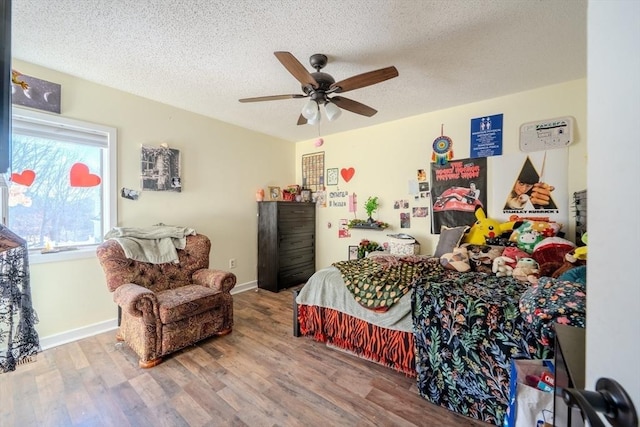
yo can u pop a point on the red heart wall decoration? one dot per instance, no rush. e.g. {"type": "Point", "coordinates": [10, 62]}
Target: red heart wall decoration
{"type": "Point", "coordinates": [79, 176]}
{"type": "Point", "coordinates": [347, 174]}
{"type": "Point", "coordinates": [25, 178]}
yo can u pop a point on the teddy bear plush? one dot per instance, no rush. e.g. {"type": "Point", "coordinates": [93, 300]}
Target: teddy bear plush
{"type": "Point", "coordinates": [501, 267]}
{"type": "Point", "coordinates": [526, 270]}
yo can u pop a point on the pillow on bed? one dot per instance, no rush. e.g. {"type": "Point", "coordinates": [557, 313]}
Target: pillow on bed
{"type": "Point", "coordinates": [481, 256]}
{"type": "Point", "coordinates": [449, 239]}
{"type": "Point", "coordinates": [550, 301]}
{"type": "Point", "coordinates": [457, 260]}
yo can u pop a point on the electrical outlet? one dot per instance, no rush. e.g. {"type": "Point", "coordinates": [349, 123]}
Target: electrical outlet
{"type": "Point", "coordinates": [232, 263]}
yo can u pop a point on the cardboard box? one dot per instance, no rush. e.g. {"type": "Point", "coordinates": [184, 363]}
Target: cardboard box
{"type": "Point", "coordinates": [403, 246]}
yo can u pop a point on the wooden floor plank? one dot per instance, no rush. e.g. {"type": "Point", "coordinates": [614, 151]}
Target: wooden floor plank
{"type": "Point", "coordinates": [259, 375]}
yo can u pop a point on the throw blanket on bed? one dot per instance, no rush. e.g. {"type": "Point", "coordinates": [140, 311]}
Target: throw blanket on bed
{"type": "Point", "coordinates": [157, 244]}
{"type": "Point", "coordinates": [379, 282]}
{"type": "Point", "coordinates": [467, 328]}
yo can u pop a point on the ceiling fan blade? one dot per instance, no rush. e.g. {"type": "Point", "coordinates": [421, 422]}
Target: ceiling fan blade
{"type": "Point", "coordinates": [302, 120]}
{"type": "Point", "coordinates": [364, 79]}
{"type": "Point", "coordinates": [353, 106]}
{"type": "Point", "coordinates": [272, 98]}
{"type": "Point", "coordinates": [296, 69]}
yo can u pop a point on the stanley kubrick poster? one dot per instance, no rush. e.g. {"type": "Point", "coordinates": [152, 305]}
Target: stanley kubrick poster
{"type": "Point", "coordinates": [531, 184]}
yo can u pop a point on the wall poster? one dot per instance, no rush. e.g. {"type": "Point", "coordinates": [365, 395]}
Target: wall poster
{"type": "Point", "coordinates": [160, 169]}
{"type": "Point", "coordinates": [457, 190]}
{"type": "Point", "coordinates": [486, 136]}
{"type": "Point", "coordinates": [531, 184]}
{"type": "Point", "coordinates": [313, 171]}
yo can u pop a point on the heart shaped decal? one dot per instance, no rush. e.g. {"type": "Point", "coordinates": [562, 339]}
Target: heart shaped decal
{"type": "Point", "coordinates": [25, 178]}
{"type": "Point", "coordinates": [79, 176]}
{"type": "Point", "coordinates": [347, 174]}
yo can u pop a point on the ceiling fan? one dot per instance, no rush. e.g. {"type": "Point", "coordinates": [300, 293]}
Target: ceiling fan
{"type": "Point", "coordinates": [318, 86]}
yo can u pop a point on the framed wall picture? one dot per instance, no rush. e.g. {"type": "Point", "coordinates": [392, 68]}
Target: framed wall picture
{"type": "Point", "coordinates": [275, 193]}
{"type": "Point", "coordinates": [332, 176]}
{"type": "Point", "coordinates": [160, 169]}
{"type": "Point", "coordinates": [353, 253]}
{"type": "Point", "coordinates": [313, 171]}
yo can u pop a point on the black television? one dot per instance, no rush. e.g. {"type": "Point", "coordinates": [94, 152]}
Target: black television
{"type": "Point", "coordinates": [5, 86]}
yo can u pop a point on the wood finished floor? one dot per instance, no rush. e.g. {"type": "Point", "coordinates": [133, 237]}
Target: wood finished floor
{"type": "Point", "coordinates": [259, 375]}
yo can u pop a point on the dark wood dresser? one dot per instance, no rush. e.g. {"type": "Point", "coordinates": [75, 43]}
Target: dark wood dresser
{"type": "Point", "coordinates": [286, 244]}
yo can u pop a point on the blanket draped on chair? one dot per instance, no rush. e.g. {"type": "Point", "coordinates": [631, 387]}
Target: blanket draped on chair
{"type": "Point", "coordinates": [157, 244]}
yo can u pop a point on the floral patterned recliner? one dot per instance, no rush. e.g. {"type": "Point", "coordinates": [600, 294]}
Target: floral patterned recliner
{"type": "Point", "coordinates": [166, 307]}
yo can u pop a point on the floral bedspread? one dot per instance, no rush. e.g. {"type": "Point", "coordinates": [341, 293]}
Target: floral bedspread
{"type": "Point", "coordinates": [467, 329]}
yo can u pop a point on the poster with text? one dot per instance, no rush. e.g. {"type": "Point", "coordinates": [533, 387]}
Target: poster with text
{"type": "Point", "coordinates": [486, 136]}
{"type": "Point", "coordinates": [531, 184]}
{"type": "Point", "coordinates": [457, 190]}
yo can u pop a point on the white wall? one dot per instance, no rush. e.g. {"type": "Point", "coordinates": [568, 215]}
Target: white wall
{"type": "Point", "coordinates": [387, 156]}
{"type": "Point", "coordinates": [613, 324]}
{"type": "Point", "coordinates": [222, 167]}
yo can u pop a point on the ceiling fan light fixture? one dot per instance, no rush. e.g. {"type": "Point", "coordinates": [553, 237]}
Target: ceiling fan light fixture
{"type": "Point", "coordinates": [332, 110]}
{"type": "Point", "coordinates": [315, 119]}
{"type": "Point", "coordinates": [310, 110]}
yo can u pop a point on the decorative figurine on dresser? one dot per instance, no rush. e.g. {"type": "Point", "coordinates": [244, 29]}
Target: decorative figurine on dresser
{"type": "Point", "coordinates": [286, 244]}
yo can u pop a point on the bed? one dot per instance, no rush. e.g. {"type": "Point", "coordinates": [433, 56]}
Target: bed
{"type": "Point", "coordinates": [329, 313]}
{"type": "Point", "coordinates": [467, 328]}
{"type": "Point", "coordinates": [455, 332]}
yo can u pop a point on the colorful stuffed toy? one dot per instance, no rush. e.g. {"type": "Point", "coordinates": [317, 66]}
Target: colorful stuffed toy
{"type": "Point", "coordinates": [484, 228]}
{"type": "Point", "coordinates": [529, 233]}
{"type": "Point", "coordinates": [501, 267]}
{"type": "Point", "coordinates": [526, 270]}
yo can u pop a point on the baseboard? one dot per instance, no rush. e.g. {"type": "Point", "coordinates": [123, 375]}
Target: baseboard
{"type": "Point", "coordinates": [77, 334]}
{"type": "Point", "coordinates": [244, 287]}
{"type": "Point", "coordinates": [109, 325]}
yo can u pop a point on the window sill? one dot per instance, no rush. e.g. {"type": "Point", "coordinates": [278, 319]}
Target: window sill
{"type": "Point", "coordinates": [35, 257]}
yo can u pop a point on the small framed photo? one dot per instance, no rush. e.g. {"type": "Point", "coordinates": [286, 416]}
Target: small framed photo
{"type": "Point", "coordinates": [275, 193]}
{"type": "Point", "coordinates": [353, 252]}
{"type": "Point", "coordinates": [332, 176]}
{"type": "Point", "coordinates": [306, 195]}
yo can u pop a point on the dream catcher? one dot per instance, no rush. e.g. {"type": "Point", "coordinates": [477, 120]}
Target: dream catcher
{"type": "Point", "coordinates": [442, 149]}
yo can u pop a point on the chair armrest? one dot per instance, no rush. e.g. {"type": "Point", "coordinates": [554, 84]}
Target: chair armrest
{"type": "Point", "coordinates": [219, 280]}
{"type": "Point", "coordinates": [137, 301]}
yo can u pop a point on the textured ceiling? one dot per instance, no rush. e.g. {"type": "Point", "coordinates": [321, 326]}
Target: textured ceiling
{"type": "Point", "coordinates": [204, 55]}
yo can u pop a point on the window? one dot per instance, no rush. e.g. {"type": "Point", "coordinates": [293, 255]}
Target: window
{"type": "Point", "coordinates": [61, 193]}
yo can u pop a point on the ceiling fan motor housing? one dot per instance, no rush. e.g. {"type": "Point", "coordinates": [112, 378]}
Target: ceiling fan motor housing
{"type": "Point", "coordinates": [324, 81]}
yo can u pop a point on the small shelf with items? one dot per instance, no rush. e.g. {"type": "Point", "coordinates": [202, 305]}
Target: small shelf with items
{"type": "Point", "coordinates": [369, 224]}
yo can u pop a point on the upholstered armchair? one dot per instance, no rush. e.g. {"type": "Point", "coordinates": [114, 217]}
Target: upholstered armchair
{"type": "Point", "coordinates": [166, 307]}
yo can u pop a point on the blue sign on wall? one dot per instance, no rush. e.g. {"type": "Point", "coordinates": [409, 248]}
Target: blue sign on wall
{"type": "Point", "coordinates": [486, 136]}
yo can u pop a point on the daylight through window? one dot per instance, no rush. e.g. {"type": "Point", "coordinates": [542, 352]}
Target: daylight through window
{"type": "Point", "coordinates": [59, 192]}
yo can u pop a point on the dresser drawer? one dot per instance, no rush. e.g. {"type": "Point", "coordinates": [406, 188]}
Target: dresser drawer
{"type": "Point", "coordinates": [296, 212]}
{"type": "Point", "coordinates": [295, 227]}
{"type": "Point", "coordinates": [290, 259]}
{"type": "Point", "coordinates": [296, 241]}
{"type": "Point", "coordinates": [293, 276]}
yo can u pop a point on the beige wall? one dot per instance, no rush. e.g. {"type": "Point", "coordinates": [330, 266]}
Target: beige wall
{"type": "Point", "coordinates": [222, 166]}
{"type": "Point", "coordinates": [387, 156]}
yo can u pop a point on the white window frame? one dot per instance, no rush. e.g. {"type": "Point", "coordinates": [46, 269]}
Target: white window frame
{"type": "Point", "coordinates": [109, 183]}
